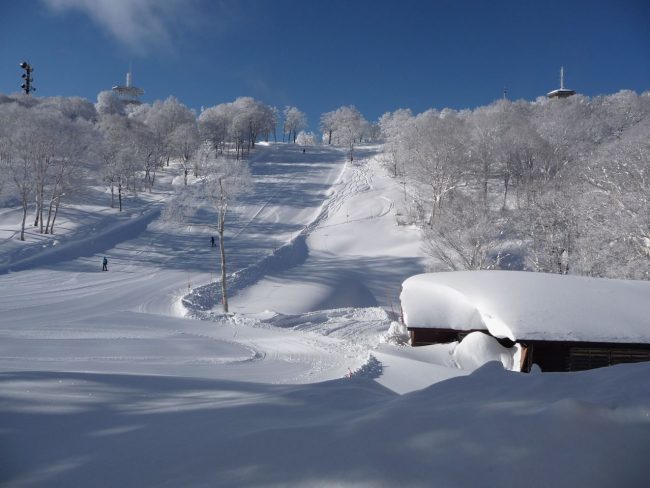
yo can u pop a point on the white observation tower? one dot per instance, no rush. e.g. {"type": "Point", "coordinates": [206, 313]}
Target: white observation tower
{"type": "Point", "coordinates": [561, 92]}
{"type": "Point", "coordinates": [129, 93]}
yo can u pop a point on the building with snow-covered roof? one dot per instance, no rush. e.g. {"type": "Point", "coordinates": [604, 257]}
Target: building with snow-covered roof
{"type": "Point", "coordinates": [562, 323]}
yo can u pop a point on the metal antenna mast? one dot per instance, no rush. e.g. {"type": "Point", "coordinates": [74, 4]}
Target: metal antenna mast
{"type": "Point", "coordinates": [27, 76]}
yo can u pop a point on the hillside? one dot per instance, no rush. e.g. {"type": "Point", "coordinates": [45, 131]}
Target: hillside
{"type": "Point", "coordinates": [109, 378]}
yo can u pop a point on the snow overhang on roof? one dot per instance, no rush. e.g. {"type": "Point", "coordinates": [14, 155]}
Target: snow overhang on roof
{"type": "Point", "coordinates": [530, 306]}
{"type": "Point", "coordinates": [560, 92]}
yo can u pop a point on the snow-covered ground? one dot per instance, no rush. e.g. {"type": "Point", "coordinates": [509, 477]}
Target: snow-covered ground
{"type": "Point", "coordinates": [106, 380]}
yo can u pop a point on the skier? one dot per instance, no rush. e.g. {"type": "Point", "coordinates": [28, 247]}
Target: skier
{"type": "Point", "coordinates": [105, 264]}
{"type": "Point", "coordinates": [212, 241]}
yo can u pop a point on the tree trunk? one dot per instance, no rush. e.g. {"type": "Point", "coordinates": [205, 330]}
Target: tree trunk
{"type": "Point", "coordinates": [153, 175]}
{"type": "Point", "coordinates": [49, 214]}
{"type": "Point", "coordinates": [329, 140]}
{"type": "Point", "coordinates": [224, 292]}
{"type": "Point", "coordinates": [119, 194]}
{"type": "Point", "coordinates": [486, 175]}
{"type": "Point", "coordinates": [56, 212]}
{"type": "Point", "coordinates": [38, 205]}
{"type": "Point", "coordinates": [22, 227]}
{"type": "Point", "coordinates": [222, 225]}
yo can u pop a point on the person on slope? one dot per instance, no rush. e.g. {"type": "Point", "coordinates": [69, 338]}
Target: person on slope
{"type": "Point", "coordinates": [105, 264]}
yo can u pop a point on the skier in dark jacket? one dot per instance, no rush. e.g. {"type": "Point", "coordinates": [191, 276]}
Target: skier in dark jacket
{"type": "Point", "coordinates": [105, 264]}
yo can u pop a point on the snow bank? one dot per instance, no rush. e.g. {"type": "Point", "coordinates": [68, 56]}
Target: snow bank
{"type": "Point", "coordinates": [203, 298]}
{"type": "Point", "coordinates": [533, 306]}
{"type": "Point", "coordinates": [477, 349]}
{"type": "Point", "coordinates": [489, 428]}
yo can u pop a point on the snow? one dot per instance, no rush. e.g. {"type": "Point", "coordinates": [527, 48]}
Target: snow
{"type": "Point", "coordinates": [111, 379]}
{"type": "Point", "coordinates": [534, 306]}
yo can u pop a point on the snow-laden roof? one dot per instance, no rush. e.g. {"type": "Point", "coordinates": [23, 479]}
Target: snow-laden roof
{"type": "Point", "coordinates": [560, 92]}
{"type": "Point", "coordinates": [533, 306]}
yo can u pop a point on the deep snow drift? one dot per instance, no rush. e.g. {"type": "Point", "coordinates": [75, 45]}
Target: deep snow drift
{"type": "Point", "coordinates": [105, 382]}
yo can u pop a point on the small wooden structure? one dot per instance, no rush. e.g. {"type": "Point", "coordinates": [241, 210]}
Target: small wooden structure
{"type": "Point", "coordinates": [562, 324]}
{"type": "Point", "coordinates": [550, 356]}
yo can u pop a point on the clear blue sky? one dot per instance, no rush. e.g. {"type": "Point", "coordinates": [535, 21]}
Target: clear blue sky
{"type": "Point", "coordinates": [318, 55]}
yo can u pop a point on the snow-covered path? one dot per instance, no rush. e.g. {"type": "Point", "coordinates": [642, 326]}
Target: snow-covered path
{"type": "Point", "coordinates": [356, 255]}
{"type": "Point", "coordinates": [67, 316]}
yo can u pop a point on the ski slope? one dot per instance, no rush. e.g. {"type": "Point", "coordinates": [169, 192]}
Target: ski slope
{"type": "Point", "coordinates": [131, 319]}
{"type": "Point", "coordinates": [133, 377]}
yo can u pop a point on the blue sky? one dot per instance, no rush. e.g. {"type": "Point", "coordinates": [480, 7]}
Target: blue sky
{"type": "Point", "coordinates": [318, 55]}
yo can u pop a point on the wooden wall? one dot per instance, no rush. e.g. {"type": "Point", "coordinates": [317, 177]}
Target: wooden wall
{"type": "Point", "coordinates": [550, 355]}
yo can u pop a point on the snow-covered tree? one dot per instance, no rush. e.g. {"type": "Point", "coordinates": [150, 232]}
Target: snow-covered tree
{"type": "Point", "coordinates": [162, 118]}
{"type": "Point", "coordinates": [183, 141]}
{"type": "Point", "coordinates": [294, 121]}
{"type": "Point", "coordinates": [327, 125]}
{"type": "Point", "coordinates": [115, 150]}
{"type": "Point", "coordinates": [435, 158]}
{"type": "Point", "coordinates": [108, 103]}
{"type": "Point", "coordinates": [239, 124]}
{"type": "Point", "coordinates": [344, 126]}
{"type": "Point", "coordinates": [392, 126]}
{"type": "Point", "coordinates": [465, 237]}
{"type": "Point", "coordinates": [306, 138]}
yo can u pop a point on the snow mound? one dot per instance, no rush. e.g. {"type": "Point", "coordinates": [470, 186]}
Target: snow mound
{"type": "Point", "coordinates": [477, 349]}
{"type": "Point", "coordinates": [397, 334]}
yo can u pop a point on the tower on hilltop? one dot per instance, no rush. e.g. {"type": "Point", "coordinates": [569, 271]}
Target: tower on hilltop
{"type": "Point", "coordinates": [561, 92]}
{"type": "Point", "coordinates": [129, 93]}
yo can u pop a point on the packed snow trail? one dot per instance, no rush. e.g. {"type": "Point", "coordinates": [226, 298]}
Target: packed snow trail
{"type": "Point", "coordinates": [353, 254]}
{"type": "Point", "coordinates": [68, 315]}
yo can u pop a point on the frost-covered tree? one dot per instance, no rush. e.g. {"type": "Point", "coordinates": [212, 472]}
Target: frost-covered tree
{"type": "Point", "coordinates": [183, 141]}
{"type": "Point", "coordinates": [76, 139]}
{"type": "Point", "coordinates": [294, 121]}
{"type": "Point", "coordinates": [620, 172]}
{"type": "Point", "coordinates": [344, 126]}
{"type": "Point", "coordinates": [73, 108]}
{"type": "Point", "coordinates": [306, 138]}
{"type": "Point", "coordinates": [435, 158]}
{"type": "Point", "coordinates": [18, 157]}
{"type": "Point", "coordinates": [108, 103]}
{"type": "Point", "coordinates": [116, 152]}
{"type": "Point", "coordinates": [214, 125]}
{"type": "Point", "coordinates": [392, 126]}
{"type": "Point", "coordinates": [162, 119]}
{"type": "Point", "coordinates": [569, 176]}
{"type": "Point", "coordinates": [466, 237]}
{"type": "Point", "coordinates": [238, 124]}
{"type": "Point", "coordinates": [327, 125]}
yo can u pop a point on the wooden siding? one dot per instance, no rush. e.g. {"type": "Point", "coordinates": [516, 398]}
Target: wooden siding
{"type": "Point", "coordinates": [578, 356]}
{"type": "Point", "coordinates": [550, 356]}
{"type": "Point", "coordinates": [425, 337]}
